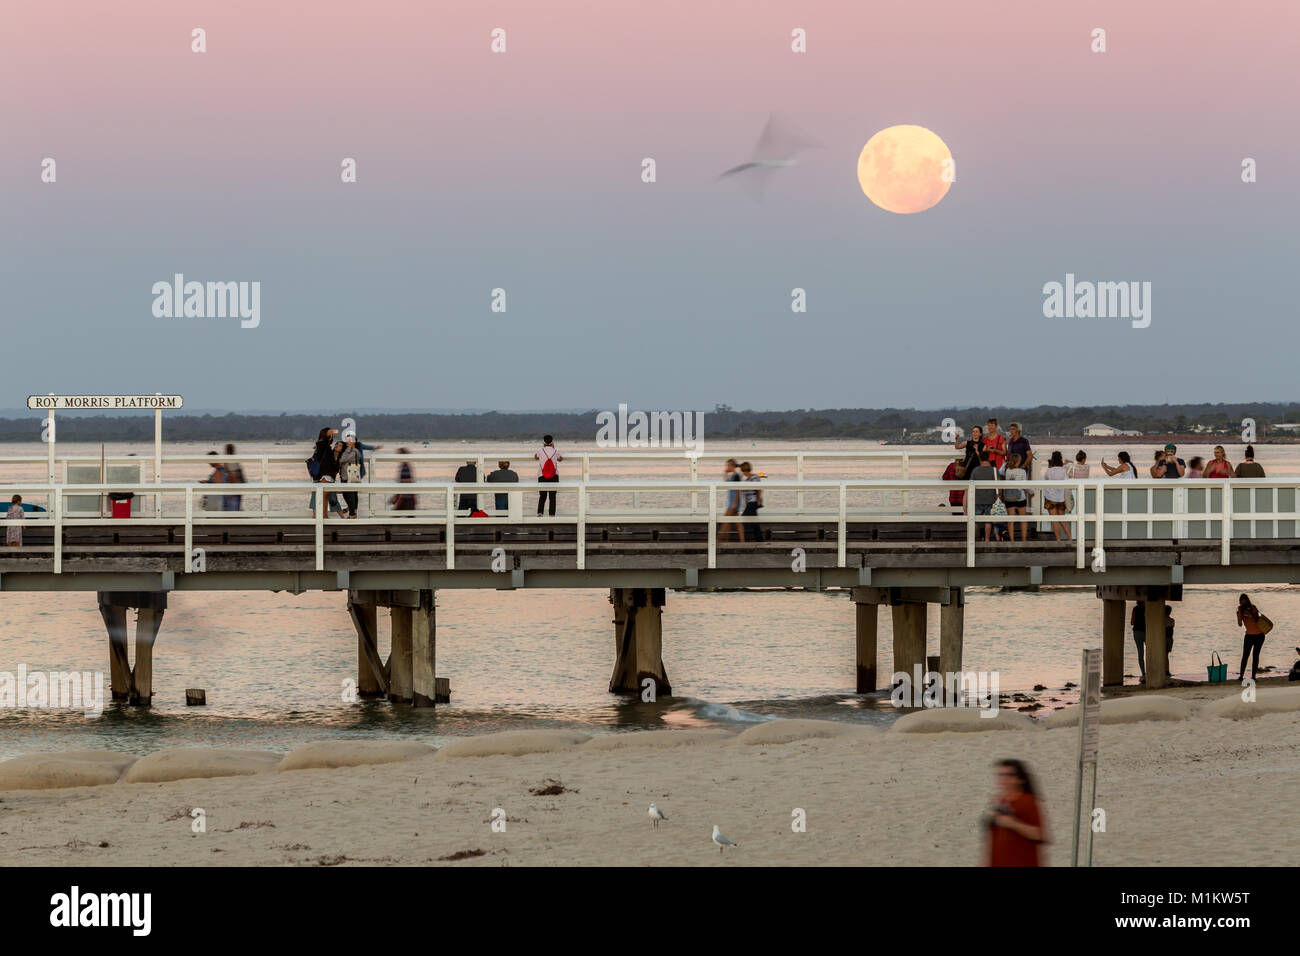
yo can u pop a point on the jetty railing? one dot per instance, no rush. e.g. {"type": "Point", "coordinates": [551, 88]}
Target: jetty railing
{"type": "Point", "coordinates": [1101, 510]}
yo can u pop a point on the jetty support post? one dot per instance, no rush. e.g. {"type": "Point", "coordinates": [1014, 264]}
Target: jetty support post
{"type": "Point", "coordinates": [1152, 600]}
{"type": "Point", "coordinates": [372, 676]}
{"type": "Point", "coordinates": [133, 685]}
{"type": "Point", "coordinates": [866, 601]}
{"type": "Point", "coordinates": [638, 642]}
{"type": "Point", "coordinates": [424, 650]}
{"type": "Point", "coordinates": [909, 637]}
{"type": "Point", "coordinates": [1112, 642]}
{"type": "Point", "coordinates": [952, 626]}
{"type": "Point", "coordinates": [1157, 649]}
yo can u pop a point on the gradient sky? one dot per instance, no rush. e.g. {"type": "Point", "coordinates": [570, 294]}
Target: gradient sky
{"type": "Point", "coordinates": [522, 171]}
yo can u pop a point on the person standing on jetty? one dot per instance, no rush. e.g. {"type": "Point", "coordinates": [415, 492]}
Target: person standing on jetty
{"type": "Point", "coordinates": [731, 472]}
{"type": "Point", "coordinates": [1054, 498]}
{"type": "Point", "coordinates": [323, 466]}
{"type": "Point", "coordinates": [984, 497]}
{"type": "Point", "coordinates": [1168, 464]}
{"type": "Point", "coordinates": [1015, 824]}
{"type": "Point", "coordinates": [971, 449]}
{"type": "Point", "coordinates": [467, 474]}
{"type": "Point", "coordinates": [548, 462]}
{"type": "Point", "coordinates": [234, 475]}
{"type": "Point", "coordinates": [1220, 467]}
{"type": "Point", "coordinates": [1124, 469]}
{"type": "Point", "coordinates": [1248, 616]}
{"type": "Point", "coordinates": [996, 444]}
{"type": "Point", "coordinates": [503, 474]}
{"type": "Point", "coordinates": [349, 459]}
{"type": "Point", "coordinates": [1250, 468]}
{"type": "Point", "coordinates": [14, 532]}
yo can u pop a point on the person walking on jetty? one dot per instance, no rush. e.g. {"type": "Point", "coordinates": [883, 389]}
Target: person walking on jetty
{"type": "Point", "coordinates": [467, 474]}
{"type": "Point", "coordinates": [1016, 828]}
{"type": "Point", "coordinates": [1220, 467]}
{"type": "Point", "coordinates": [729, 531]}
{"type": "Point", "coordinates": [234, 475]}
{"type": "Point", "coordinates": [217, 477]}
{"type": "Point", "coordinates": [548, 470]}
{"type": "Point", "coordinates": [753, 500]}
{"type": "Point", "coordinates": [504, 473]}
{"type": "Point", "coordinates": [349, 458]}
{"type": "Point", "coordinates": [16, 514]}
{"type": "Point", "coordinates": [1252, 643]}
{"type": "Point", "coordinates": [406, 475]}
{"type": "Point", "coordinates": [1250, 468]}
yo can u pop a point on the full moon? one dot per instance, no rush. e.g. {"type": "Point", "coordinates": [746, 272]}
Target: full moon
{"type": "Point", "coordinates": [905, 169]}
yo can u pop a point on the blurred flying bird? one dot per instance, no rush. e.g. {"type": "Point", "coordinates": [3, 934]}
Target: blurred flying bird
{"type": "Point", "coordinates": [776, 148]}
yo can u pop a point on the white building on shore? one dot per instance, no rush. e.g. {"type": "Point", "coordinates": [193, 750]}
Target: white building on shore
{"type": "Point", "coordinates": [1100, 430]}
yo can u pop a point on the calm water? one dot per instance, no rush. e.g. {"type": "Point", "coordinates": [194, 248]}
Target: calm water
{"type": "Point", "coordinates": [274, 665]}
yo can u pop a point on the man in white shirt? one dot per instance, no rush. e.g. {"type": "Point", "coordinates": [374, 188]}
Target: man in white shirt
{"type": "Point", "coordinates": [548, 469]}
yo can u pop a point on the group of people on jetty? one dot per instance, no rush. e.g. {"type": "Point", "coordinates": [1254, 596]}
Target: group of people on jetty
{"type": "Point", "coordinates": [988, 455]}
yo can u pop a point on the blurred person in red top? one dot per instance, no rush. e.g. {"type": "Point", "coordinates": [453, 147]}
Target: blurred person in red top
{"type": "Point", "coordinates": [1015, 824]}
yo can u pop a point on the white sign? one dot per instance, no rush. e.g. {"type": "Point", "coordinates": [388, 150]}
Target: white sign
{"type": "Point", "coordinates": [1091, 704]}
{"type": "Point", "coordinates": [111, 402]}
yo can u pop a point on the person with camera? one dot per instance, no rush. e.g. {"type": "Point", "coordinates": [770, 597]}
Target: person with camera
{"type": "Point", "coordinates": [1168, 464]}
{"type": "Point", "coordinates": [1015, 823]}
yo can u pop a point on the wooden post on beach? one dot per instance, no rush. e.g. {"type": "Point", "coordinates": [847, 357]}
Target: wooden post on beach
{"type": "Point", "coordinates": [1157, 652]}
{"type": "Point", "coordinates": [119, 664]}
{"type": "Point", "coordinates": [1112, 641]}
{"type": "Point", "coordinates": [424, 651]}
{"type": "Point", "coordinates": [399, 660]}
{"type": "Point", "coordinates": [952, 622]}
{"type": "Point", "coordinates": [909, 637]}
{"type": "Point", "coordinates": [148, 621]}
{"type": "Point", "coordinates": [868, 620]}
{"type": "Point", "coordinates": [639, 643]}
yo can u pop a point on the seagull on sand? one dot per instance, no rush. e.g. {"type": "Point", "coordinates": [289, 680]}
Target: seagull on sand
{"type": "Point", "coordinates": [656, 815]}
{"type": "Point", "coordinates": [722, 840]}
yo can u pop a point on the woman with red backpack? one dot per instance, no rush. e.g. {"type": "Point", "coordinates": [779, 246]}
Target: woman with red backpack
{"type": "Point", "coordinates": [548, 460]}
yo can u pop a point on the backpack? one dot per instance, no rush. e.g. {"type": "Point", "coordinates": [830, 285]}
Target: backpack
{"type": "Point", "coordinates": [313, 468]}
{"type": "Point", "coordinates": [548, 465]}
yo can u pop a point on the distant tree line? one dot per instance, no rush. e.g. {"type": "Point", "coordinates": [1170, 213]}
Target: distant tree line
{"type": "Point", "coordinates": [885, 424]}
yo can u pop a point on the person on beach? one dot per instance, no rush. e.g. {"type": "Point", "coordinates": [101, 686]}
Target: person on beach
{"type": "Point", "coordinates": [984, 497]}
{"type": "Point", "coordinates": [406, 475]}
{"type": "Point", "coordinates": [1247, 616]}
{"type": "Point", "coordinates": [1250, 468]}
{"type": "Point", "coordinates": [234, 475]}
{"type": "Point", "coordinates": [14, 532]}
{"type": "Point", "coordinates": [1196, 468]}
{"type": "Point", "coordinates": [467, 474]}
{"type": "Point", "coordinates": [1016, 828]}
{"type": "Point", "coordinates": [1015, 498]}
{"type": "Point", "coordinates": [1138, 620]}
{"type": "Point", "coordinates": [1054, 498]}
{"type": "Point", "coordinates": [1168, 464]}
{"type": "Point", "coordinates": [348, 455]}
{"type": "Point", "coordinates": [753, 500]}
{"type": "Point", "coordinates": [502, 474]}
{"type": "Point", "coordinates": [971, 449]}
{"type": "Point", "coordinates": [995, 444]}
{"type": "Point", "coordinates": [548, 470]}
{"type": "Point", "coordinates": [326, 469]}
{"type": "Point", "coordinates": [1220, 467]}
{"type": "Point", "coordinates": [1124, 469]}
{"type": "Point", "coordinates": [1169, 640]}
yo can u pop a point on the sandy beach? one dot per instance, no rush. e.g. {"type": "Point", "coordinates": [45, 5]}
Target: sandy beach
{"type": "Point", "coordinates": [871, 797]}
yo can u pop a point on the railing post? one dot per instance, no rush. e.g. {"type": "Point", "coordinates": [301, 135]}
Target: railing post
{"type": "Point", "coordinates": [321, 498]}
{"type": "Point", "coordinates": [266, 480]}
{"type": "Point", "coordinates": [1099, 535]}
{"type": "Point", "coordinates": [451, 528]}
{"type": "Point", "coordinates": [1080, 548]}
{"type": "Point", "coordinates": [1225, 547]}
{"type": "Point", "coordinates": [798, 473]}
{"type": "Point", "coordinates": [582, 526]}
{"type": "Point", "coordinates": [969, 501]}
{"type": "Point", "coordinates": [586, 467]}
{"type": "Point", "coordinates": [841, 534]}
{"type": "Point", "coordinates": [713, 527]}
{"type": "Point", "coordinates": [189, 529]}
{"type": "Point", "coordinates": [57, 502]}
{"type": "Point", "coordinates": [695, 476]}
{"type": "Point", "coordinates": [907, 476]}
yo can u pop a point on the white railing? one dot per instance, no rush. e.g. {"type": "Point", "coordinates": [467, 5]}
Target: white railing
{"type": "Point", "coordinates": [1246, 508]}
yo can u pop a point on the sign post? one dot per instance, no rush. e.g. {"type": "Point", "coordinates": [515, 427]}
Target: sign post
{"type": "Point", "coordinates": [157, 401]}
{"type": "Point", "coordinates": [1089, 725]}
